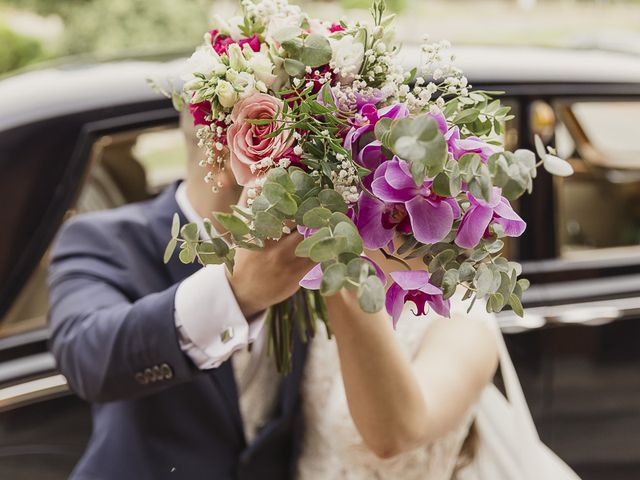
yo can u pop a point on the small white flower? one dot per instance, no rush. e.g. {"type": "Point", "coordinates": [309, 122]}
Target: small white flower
{"type": "Point", "coordinates": [297, 150]}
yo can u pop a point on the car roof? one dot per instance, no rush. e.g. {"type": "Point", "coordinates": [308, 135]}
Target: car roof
{"type": "Point", "coordinates": [75, 86]}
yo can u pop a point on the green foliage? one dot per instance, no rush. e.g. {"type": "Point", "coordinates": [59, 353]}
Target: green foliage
{"type": "Point", "coordinates": [111, 26]}
{"type": "Point", "coordinates": [17, 50]}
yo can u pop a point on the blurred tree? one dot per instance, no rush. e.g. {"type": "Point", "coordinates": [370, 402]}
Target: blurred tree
{"type": "Point", "coordinates": [17, 50]}
{"type": "Point", "coordinates": [108, 26]}
{"type": "Point", "coordinates": [395, 6]}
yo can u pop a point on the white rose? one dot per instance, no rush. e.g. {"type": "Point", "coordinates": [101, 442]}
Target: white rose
{"type": "Point", "coordinates": [205, 61]}
{"type": "Point", "coordinates": [227, 95]}
{"type": "Point", "coordinates": [347, 56]}
{"type": "Point", "coordinates": [262, 67]}
{"type": "Point", "coordinates": [243, 82]}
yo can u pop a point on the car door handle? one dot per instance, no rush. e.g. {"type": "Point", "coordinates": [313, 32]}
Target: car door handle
{"type": "Point", "coordinates": [593, 316]}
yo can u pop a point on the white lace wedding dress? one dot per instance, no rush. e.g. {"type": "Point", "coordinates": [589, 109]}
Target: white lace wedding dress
{"type": "Point", "coordinates": [332, 447]}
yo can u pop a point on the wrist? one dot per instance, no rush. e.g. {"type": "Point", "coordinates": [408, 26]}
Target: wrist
{"type": "Point", "coordinates": [248, 302]}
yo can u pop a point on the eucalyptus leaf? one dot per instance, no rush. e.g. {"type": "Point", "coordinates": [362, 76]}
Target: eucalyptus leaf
{"type": "Point", "coordinates": [316, 217]}
{"type": "Point", "coordinates": [304, 247]}
{"type": "Point", "coordinates": [557, 166]}
{"type": "Point", "coordinates": [175, 226]}
{"type": "Point", "coordinates": [496, 302]}
{"type": "Point", "coordinates": [337, 217]}
{"type": "Point", "coordinates": [350, 232]}
{"type": "Point", "coordinates": [307, 205]}
{"type": "Point", "coordinates": [333, 279]}
{"type": "Point", "coordinates": [187, 254]}
{"type": "Point", "coordinates": [267, 225]}
{"type": "Point", "coordinates": [356, 266]}
{"type": "Point", "coordinates": [168, 252]}
{"type": "Point", "coordinates": [332, 200]}
{"type": "Point", "coordinates": [449, 283]}
{"type": "Point", "coordinates": [483, 280]}
{"type": "Point", "coordinates": [516, 305]}
{"type": "Point", "coordinates": [316, 51]}
{"type": "Point", "coordinates": [294, 68]}
{"type": "Point", "coordinates": [233, 224]}
{"type": "Point", "coordinates": [189, 232]}
{"type": "Point", "coordinates": [208, 255]}
{"type": "Point", "coordinates": [371, 295]}
{"type": "Point", "coordinates": [466, 272]}
{"type": "Point", "coordinates": [327, 249]}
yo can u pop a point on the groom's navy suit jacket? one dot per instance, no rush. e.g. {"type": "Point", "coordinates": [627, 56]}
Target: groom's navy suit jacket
{"type": "Point", "coordinates": [155, 415]}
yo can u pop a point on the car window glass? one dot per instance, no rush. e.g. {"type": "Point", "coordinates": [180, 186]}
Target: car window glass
{"type": "Point", "coordinates": [599, 206]}
{"type": "Point", "coordinates": [124, 168]}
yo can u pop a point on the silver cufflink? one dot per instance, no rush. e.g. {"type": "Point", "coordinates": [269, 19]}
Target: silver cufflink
{"type": "Point", "coordinates": [227, 334]}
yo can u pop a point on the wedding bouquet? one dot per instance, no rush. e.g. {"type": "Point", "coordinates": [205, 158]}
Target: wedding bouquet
{"type": "Point", "coordinates": [333, 137]}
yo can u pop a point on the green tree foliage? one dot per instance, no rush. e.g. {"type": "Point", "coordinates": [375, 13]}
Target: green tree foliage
{"type": "Point", "coordinates": [17, 50]}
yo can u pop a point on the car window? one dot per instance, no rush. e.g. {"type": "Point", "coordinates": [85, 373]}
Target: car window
{"type": "Point", "coordinates": [126, 167]}
{"type": "Point", "coordinates": [599, 206]}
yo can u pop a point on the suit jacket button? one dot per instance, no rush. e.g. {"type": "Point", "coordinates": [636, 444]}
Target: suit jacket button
{"type": "Point", "coordinates": [157, 373]}
{"type": "Point", "coordinates": [148, 374]}
{"type": "Point", "coordinates": [140, 378]}
{"type": "Point", "coordinates": [166, 370]}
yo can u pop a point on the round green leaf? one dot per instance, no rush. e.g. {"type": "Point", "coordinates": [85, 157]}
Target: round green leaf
{"type": "Point", "coordinates": [316, 217]}
{"type": "Point", "coordinates": [333, 279]}
{"type": "Point", "coordinates": [233, 224]}
{"type": "Point", "coordinates": [316, 51]}
{"type": "Point", "coordinates": [327, 249]}
{"type": "Point", "coordinates": [371, 295]}
{"type": "Point", "coordinates": [189, 232]}
{"type": "Point", "coordinates": [332, 200]}
{"type": "Point", "coordinates": [350, 232]}
{"type": "Point", "coordinates": [304, 247]}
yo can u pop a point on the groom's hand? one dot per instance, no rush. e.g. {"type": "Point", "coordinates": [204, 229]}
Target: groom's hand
{"type": "Point", "coordinates": [262, 278]}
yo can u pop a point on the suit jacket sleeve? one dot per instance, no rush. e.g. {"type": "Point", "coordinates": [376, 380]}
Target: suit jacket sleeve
{"type": "Point", "coordinates": [109, 344]}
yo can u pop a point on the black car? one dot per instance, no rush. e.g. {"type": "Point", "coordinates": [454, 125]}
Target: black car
{"type": "Point", "coordinates": [88, 136]}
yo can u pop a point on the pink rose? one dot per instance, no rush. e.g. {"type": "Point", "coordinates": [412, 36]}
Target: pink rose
{"type": "Point", "coordinates": [247, 142]}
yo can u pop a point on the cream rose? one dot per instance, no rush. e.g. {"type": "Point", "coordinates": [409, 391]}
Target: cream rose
{"type": "Point", "coordinates": [247, 142]}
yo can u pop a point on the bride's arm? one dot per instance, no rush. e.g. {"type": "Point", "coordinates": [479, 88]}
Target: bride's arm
{"type": "Point", "coordinates": [398, 405]}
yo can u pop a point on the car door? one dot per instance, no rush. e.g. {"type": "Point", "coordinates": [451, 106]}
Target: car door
{"type": "Point", "coordinates": [577, 347]}
{"type": "Point", "coordinates": [103, 159]}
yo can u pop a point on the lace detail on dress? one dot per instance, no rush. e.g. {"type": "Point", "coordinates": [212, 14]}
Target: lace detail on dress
{"type": "Point", "coordinates": [332, 446]}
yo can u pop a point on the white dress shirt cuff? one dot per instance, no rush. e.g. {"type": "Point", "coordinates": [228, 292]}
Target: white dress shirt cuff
{"type": "Point", "coordinates": [209, 321]}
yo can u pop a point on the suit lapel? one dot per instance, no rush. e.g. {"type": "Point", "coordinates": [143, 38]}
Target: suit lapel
{"type": "Point", "coordinates": [162, 211]}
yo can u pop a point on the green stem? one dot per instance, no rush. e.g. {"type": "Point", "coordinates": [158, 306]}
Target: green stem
{"type": "Point", "coordinates": [388, 256]}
